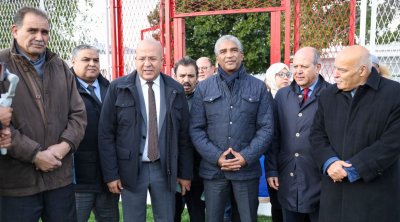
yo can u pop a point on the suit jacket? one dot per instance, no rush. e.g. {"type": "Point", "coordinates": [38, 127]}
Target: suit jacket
{"type": "Point", "coordinates": [122, 131]}
{"type": "Point", "coordinates": [88, 174]}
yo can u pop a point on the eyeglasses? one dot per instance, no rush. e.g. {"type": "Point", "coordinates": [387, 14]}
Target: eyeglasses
{"type": "Point", "coordinates": [204, 68]}
{"type": "Point", "coordinates": [284, 74]}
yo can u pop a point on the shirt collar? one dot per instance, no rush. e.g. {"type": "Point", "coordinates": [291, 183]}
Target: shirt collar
{"type": "Point", "coordinates": [311, 88]}
{"type": "Point", "coordinates": [85, 84]}
{"type": "Point", "coordinates": [36, 62]}
{"type": "Point", "coordinates": [144, 82]}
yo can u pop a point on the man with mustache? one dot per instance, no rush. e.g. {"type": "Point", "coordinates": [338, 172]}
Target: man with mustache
{"type": "Point", "coordinates": [49, 121]}
{"type": "Point", "coordinates": [186, 73]}
{"type": "Point", "coordinates": [231, 126]}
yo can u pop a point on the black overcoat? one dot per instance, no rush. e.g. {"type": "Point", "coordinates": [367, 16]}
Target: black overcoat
{"type": "Point", "coordinates": [364, 130]}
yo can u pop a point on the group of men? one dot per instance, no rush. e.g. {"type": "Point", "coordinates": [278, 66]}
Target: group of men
{"type": "Point", "coordinates": [76, 142]}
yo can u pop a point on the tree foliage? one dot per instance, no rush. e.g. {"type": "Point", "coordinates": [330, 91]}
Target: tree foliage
{"type": "Point", "coordinates": [252, 30]}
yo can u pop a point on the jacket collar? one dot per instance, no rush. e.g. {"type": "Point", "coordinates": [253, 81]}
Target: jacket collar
{"type": "Point", "coordinates": [129, 81]}
{"type": "Point", "coordinates": [296, 88]}
{"type": "Point", "coordinates": [373, 81]}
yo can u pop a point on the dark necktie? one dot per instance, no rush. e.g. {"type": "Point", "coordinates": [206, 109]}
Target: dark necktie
{"type": "Point", "coordinates": [93, 94]}
{"type": "Point", "coordinates": [305, 94]}
{"type": "Point", "coordinates": [152, 149]}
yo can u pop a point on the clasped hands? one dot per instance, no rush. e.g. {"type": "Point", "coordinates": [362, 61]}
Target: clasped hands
{"type": "Point", "coordinates": [50, 159]}
{"type": "Point", "coordinates": [231, 160]}
{"type": "Point", "coordinates": [336, 170]}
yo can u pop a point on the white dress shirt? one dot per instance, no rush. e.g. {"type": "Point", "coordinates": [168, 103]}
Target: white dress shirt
{"type": "Point", "coordinates": [156, 89]}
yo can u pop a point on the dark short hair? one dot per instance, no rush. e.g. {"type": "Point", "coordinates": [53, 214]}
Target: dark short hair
{"type": "Point", "coordinates": [186, 61]}
{"type": "Point", "coordinates": [20, 15]}
{"type": "Point", "coordinates": [79, 48]}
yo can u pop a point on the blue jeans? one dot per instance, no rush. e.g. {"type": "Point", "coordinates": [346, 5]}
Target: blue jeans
{"type": "Point", "coordinates": [104, 206]}
{"type": "Point", "coordinates": [56, 205]}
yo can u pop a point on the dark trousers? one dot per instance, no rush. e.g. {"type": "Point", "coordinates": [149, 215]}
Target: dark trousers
{"type": "Point", "coordinates": [196, 206]}
{"type": "Point", "coordinates": [56, 205]}
{"type": "Point", "coordinates": [290, 216]}
{"type": "Point", "coordinates": [276, 209]}
{"type": "Point", "coordinates": [151, 178]}
{"type": "Point", "coordinates": [245, 193]}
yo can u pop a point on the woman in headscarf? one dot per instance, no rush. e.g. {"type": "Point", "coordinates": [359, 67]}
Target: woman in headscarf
{"type": "Point", "coordinates": [277, 76]}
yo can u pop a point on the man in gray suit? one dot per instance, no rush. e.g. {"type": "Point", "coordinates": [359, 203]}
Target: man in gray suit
{"type": "Point", "coordinates": [143, 137]}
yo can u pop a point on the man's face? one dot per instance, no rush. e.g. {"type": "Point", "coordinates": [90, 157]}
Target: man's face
{"type": "Point", "coordinates": [186, 76]}
{"type": "Point", "coordinates": [305, 71]}
{"type": "Point", "coordinates": [32, 36]}
{"type": "Point", "coordinates": [347, 73]}
{"type": "Point", "coordinates": [148, 60]}
{"type": "Point", "coordinates": [86, 65]}
{"type": "Point", "coordinates": [229, 57]}
{"type": "Point", "coordinates": [206, 69]}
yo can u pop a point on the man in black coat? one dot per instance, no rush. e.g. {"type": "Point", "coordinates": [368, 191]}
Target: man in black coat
{"type": "Point", "coordinates": [91, 192]}
{"type": "Point", "coordinates": [356, 143]}
{"type": "Point", "coordinates": [143, 136]}
{"type": "Point", "coordinates": [186, 73]}
{"type": "Point", "coordinates": [290, 168]}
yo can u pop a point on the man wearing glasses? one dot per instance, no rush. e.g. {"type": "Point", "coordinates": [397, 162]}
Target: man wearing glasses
{"type": "Point", "coordinates": [291, 168]}
{"type": "Point", "coordinates": [206, 68]}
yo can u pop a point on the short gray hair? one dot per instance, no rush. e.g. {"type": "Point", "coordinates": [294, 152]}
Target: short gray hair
{"type": "Point", "coordinates": [79, 48]}
{"type": "Point", "coordinates": [20, 15]}
{"type": "Point", "coordinates": [228, 38]}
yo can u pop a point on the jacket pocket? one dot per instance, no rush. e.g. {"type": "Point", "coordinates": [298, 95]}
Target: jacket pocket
{"type": "Point", "coordinates": [86, 167]}
{"type": "Point", "coordinates": [123, 154]}
{"type": "Point", "coordinates": [212, 105]}
{"type": "Point", "coordinates": [249, 109]}
{"type": "Point", "coordinates": [126, 111]}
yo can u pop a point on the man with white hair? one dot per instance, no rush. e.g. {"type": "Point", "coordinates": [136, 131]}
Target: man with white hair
{"type": "Point", "coordinates": [355, 139]}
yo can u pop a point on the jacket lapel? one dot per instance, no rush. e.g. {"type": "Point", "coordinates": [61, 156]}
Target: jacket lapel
{"type": "Point", "coordinates": [141, 98]}
{"type": "Point", "coordinates": [164, 92]}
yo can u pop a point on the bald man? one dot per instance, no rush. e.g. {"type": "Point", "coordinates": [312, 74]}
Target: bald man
{"type": "Point", "coordinates": [206, 68]}
{"type": "Point", "coordinates": [290, 168]}
{"type": "Point", "coordinates": [355, 136]}
{"type": "Point", "coordinates": [143, 137]}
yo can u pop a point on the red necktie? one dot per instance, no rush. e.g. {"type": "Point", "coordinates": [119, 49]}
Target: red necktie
{"type": "Point", "coordinates": [305, 94]}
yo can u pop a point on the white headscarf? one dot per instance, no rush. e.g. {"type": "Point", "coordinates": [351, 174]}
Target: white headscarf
{"type": "Point", "coordinates": [270, 76]}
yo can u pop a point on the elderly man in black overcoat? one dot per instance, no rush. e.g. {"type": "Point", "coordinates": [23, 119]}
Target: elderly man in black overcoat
{"type": "Point", "coordinates": [356, 143]}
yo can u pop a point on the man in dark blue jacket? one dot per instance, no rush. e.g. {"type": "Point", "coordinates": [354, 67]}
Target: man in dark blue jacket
{"type": "Point", "coordinates": [291, 168]}
{"type": "Point", "coordinates": [143, 136]}
{"type": "Point", "coordinates": [231, 126]}
{"type": "Point", "coordinates": [91, 192]}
